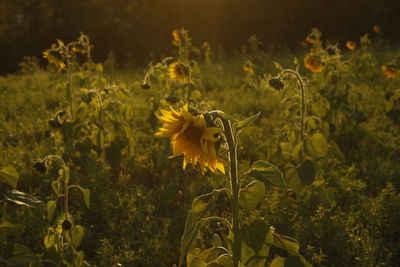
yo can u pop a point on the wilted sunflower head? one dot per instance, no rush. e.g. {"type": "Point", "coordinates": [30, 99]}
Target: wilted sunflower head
{"type": "Point", "coordinates": [178, 71]}
{"type": "Point", "coordinates": [55, 58]}
{"type": "Point", "coordinates": [390, 70]}
{"type": "Point", "coordinates": [351, 45]}
{"type": "Point", "coordinates": [314, 63]}
{"type": "Point", "coordinates": [191, 137]}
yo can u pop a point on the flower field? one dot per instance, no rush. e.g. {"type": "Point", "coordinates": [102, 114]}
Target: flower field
{"type": "Point", "coordinates": [203, 158]}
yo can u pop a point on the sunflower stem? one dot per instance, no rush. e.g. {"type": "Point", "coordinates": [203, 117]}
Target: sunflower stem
{"type": "Point", "coordinates": [233, 177]}
{"type": "Point", "coordinates": [302, 106]}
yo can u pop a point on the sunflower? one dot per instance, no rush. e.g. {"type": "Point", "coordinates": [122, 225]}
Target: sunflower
{"type": "Point", "coordinates": [314, 63]}
{"type": "Point", "coordinates": [311, 39]}
{"type": "Point", "coordinates": [377, 29]}
{"type": "Point", "coordinates": [191, 138]}
{"type": "Point", "coordinates": [176, 38]}
{"type": "Point", "coordinates": [54, 57]}
{"type": "Point", "coordinates": [178, 71]}
{"type": "Point", "coordinates": [351, 45]}
{"type": "Point", "coordinates": [248, 67]}
{"type": "Point", "coordinates": [390, 70]}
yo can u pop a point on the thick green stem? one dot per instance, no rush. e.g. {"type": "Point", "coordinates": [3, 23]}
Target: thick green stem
{"type": "Point", "coordinates": [233, 176]}
{"type": "Point", "coordinates": [302, 106]}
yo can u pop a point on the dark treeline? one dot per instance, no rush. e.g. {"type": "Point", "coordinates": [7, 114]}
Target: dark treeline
{"type": "Point", "coordinates": [142, 27]}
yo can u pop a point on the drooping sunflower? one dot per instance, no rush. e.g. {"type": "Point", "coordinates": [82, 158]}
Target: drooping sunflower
{"type": "Point", "coordinates": [192, 138]}
{"type": "Point", "coordinates": [314, 63]}
{"type": "Point", "coordinates": [351, 45]}
{"type": "Point", "coordinates": [178, 71]}
{"type": "Point", "coordinates": [54, 57]}
{"type": "Point", "coordinates": [390, 70]}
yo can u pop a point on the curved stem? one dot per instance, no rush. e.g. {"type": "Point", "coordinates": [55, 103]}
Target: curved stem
{"type": "Point", "coordinates": [302, 105]}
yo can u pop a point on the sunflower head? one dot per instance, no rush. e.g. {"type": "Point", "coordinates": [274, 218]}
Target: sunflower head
{"type": "Point", "coordinates": [311, 39]}
{"type": "Point", "coordinates": [178, 71]}
{"type": "Point", "coordinates": [191, 137]}
{"type": "Point", "coordinates": [314, 63]}
{"type": "Point", "coordinates": [55, 58]}
{"type": "Point", "coordinates": [77, 47]}
{"type": "Point", "coordinates": [390, 70]}
{"type": "Point", "coordinates": [248, 67]}
{"type": "Point", "coordinates": [351, 45]}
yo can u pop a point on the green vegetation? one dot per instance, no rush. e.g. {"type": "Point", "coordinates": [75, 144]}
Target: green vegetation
{"type": "Point", "coordinates": [337, 148]}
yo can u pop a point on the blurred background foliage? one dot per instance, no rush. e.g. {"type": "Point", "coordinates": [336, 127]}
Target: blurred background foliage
{"type": "Point", "coordinates": [137, 29]}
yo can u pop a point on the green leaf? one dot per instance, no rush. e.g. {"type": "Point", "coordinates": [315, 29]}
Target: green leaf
{"type": "Point", "coordinates": [201, 204]}
{"type": "Point", "coordinates": [9, 228]}
{"type": "Point", "coordinates": [85, 194]}
{"type": "Point", "coordinates": [316, 146]}
{"type": "Point", "coordinates": [225, 260]}
{"type": "Point", "coordinates": [189, 236]}
{"type": "Point", "coordinates": [75, 235]}
{"type": "Point", "coordinates": [23, 199]}
{"type": "Point", "coordinates": [237, 126]}
{"type": "Point", "coordinates": [9, 176]}
{"type": "Point", "coordinates": [307, 172]}
{"type": "Point", "coordinates": [334, 148]}
{"type": "Point", "coordinates": [206, 255]}
{"type": "Point", "coordinates": [252, 194]}
{"type": "Point", "coordinates": [216, 241]}
{"type": "Point", "coordinates": [267, 173]}
{"type": "Point", "coordinates": [51, 208]}
{"type": "Point", "coordinates": [292, 247]}
{"type": "Point", "coordinates": [197, 262]}
{"type": "Point", "coordinates": [287, 243]}
{"type": "Point", "coordinates": [278, 262]}
{"type": "Point", "coordinates": [257, 240]}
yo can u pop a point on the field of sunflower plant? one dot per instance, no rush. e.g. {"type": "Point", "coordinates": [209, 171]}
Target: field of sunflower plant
{"type": "Point", "coordinates": [261, 158]}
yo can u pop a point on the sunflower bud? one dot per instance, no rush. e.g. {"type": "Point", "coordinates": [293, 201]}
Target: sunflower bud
{"type": "Point", "coordinates": [145, 86]}
{"type": "Point", "coordinates": [66, 225]}
{"type": "Point", "coordinates": [276, 83]}
{"type": "Point", "coordinates": [54, 124]}
{"type": "Point", "coordinates": [40, 166]}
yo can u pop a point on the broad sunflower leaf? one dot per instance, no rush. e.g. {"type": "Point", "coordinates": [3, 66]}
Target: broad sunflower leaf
{"type": "Point", "coordinates": [278, 262]}
{"type": "Point", "coordinates": [316, 146]}
{"type": "Point", "coordinates": [292, 247]}
{"type": "Point", "coordinates": [189, 236]}
{"type": "Point", "coordinates": [237, 126]}
{"type": "Point", "coordinates": [198, 256]}
{"type": "Point", "coordinates": [23, 199]}
{"type": "Point", "coordinates": [9, 176]}
{"type": "Point", "coordinates": [257, 240]}
{"type": "Point", "coordinates": [252, 194]}
{"type": "Point", "coordinates": [51, 208]}
{"type": "Point", "coordinates": [267, 173]}
{"type": "Point", "coordinates": [225, 260]}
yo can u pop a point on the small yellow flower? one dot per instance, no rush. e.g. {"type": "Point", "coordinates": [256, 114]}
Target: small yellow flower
{"type": "Point", "coordinates": [390, 70]}
{"type": "Point", "coordinates": [351, 45]}
{"type": "Point", "coordinates": [377, 29]}
{"type": "Point", "coordinates": [54, 57]}
{"type": "Point", "coordinates": [191, 138]}
{"type": "Point", "coordinates": [314, 63]}
{"type": "Point", "coordinates": [248, 67]}
{"type": "Point", "coordinates": [178, 71]}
